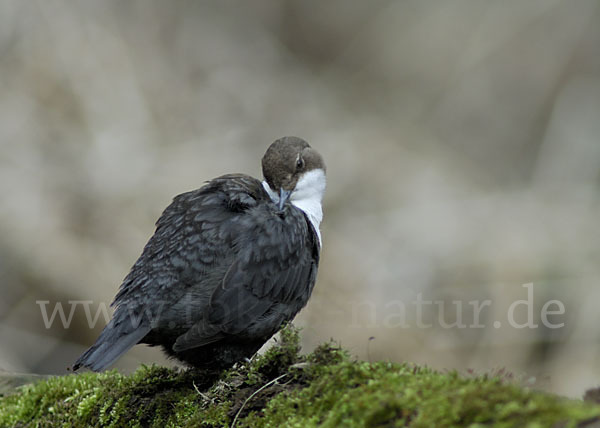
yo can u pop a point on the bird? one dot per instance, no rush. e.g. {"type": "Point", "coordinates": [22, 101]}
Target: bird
{"type": "Point", "coordinates": [228, 265]}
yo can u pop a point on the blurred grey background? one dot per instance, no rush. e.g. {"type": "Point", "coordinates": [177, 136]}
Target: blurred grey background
{"type": "Point", "coordinates": [463, 151]}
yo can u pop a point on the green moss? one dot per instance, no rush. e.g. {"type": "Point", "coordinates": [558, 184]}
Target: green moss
{"type": "Point", "coordinates": [281, 388]}
{"type": "Point", "coordinates": [383, 394]}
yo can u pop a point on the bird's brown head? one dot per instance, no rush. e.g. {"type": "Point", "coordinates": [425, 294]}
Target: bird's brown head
{"type": "Point", "coordinates": [287, 160]}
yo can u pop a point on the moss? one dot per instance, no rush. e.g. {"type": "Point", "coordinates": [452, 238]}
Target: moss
{"type": "Point", "coordinates": [383, 394]}
{"type": "Point", "coordinates": [281, 388]}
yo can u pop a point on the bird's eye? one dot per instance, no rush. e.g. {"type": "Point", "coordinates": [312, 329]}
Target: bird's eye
{"type": "Point", "coordinates": [299, 163]}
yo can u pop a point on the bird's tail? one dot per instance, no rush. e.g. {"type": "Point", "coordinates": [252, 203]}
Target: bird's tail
{"type": "Point", "coordinates": [113, 342]}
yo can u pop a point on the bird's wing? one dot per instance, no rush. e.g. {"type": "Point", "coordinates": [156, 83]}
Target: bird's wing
{"type": "Point", "coordinates": [191, 241]}
{"type": "Point", "coordinates": [191, 246]}
{"type": "Point", "coordinates": [275, 266]}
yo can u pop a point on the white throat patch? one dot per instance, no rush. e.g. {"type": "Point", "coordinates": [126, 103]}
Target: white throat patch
{"type": "Point", "coordinates": [307, 196]}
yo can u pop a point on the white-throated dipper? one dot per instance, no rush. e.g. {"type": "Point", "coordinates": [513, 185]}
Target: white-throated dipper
{"type": "Point", "coordinates": [228, 264]}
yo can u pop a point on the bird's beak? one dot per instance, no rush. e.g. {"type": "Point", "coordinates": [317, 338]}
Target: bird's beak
{"type": "Point", "coordinates": [284, 195]}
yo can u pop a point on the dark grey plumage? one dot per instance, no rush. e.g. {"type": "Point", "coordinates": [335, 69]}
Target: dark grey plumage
{"type": "Point", "coordinates": [224, 269]}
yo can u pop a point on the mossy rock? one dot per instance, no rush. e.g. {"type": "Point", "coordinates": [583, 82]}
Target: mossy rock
{"type": "Point", "coordinates": [281, 388]}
